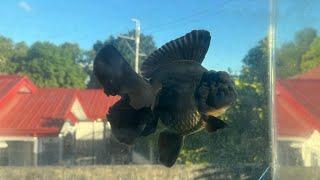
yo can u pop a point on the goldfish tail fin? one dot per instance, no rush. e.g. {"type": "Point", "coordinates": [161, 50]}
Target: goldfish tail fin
{"type": "Point", "coordinates": [170, 145]}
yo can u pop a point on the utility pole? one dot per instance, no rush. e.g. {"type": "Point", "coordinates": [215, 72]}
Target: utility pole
{"type": "Point", "coordinates": [136, 39]}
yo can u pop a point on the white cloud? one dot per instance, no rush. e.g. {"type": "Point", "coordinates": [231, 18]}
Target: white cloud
{"type": "Point", "coordinates": [25, 6]}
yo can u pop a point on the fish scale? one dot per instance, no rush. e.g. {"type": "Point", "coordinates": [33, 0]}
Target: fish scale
{"type": "Point", "coordinates": [177, 106]}
{"type": "Point", "coordinates": [183, 122]}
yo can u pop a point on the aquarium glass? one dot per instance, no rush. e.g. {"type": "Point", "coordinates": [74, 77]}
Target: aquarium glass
{"type": "Point", "coordinates": [296, 87]}
{"type": "Point", "coordinates": [53, 122]}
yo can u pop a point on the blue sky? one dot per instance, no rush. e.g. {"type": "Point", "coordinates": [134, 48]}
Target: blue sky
{"type": "Point", "coordinates": [235, 25]}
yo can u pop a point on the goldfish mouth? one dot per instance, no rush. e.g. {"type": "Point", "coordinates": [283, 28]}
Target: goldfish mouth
{"type": "Point", "coordinates": [216, 112]}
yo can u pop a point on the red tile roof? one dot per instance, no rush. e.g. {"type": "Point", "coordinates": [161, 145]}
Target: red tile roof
{"type": "Point", "coordinates": [312, 74]}
{"type": "Point", "coordinates": [39, 113]}
{"type": "Point", "coordinates": [295, 118]}
{"type": "Point", "coordinates": [10, 84]}
{"type": "Point", "coordinates": [95, 103]}
{"type": "Point", "coordinates": [298, 105]}
{"type": "Point", "coordinates": [42, 112]}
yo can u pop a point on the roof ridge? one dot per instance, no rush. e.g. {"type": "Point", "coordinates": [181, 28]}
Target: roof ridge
{"type": "Point", "coordinates": [73, 99]}
{"type": "Point", "coordinates": [313, 73]}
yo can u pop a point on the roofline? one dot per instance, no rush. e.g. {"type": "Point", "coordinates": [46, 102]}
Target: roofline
{"type": "Point", "coordinates": [17, 138]}
{"type": "Point", "coordinates": [24, 81]}
{"type": "Point", "coordinates": [85, 109]}
{"type": "Point", "coordinates": [28, 133]}
{"type": "Point", "coordinates": [26, 78]}
{"type": "Point", "coordinates": [291, 138]}
{"type": "Point", "coordinates": [300, 108]}
{"type": "Point", "coordinates": [15, 88]}
{"type": "Point", "coordinates": [73, 99]}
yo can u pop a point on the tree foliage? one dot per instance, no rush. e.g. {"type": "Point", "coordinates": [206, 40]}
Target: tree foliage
{"type": "Point", "coordinates": [249, 117]}
{"type": "Point", "coordinates": [290, 54]}
{"type": "Point", "coordinates": [9, 52]}
{"type": "Point", "coordinates": [311, 58]}
{"type": "Point", "coordinates": [47, 64]}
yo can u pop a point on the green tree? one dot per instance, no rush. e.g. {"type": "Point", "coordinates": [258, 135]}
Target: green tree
{"type": "Point", "coordinates": [243, 147]}
{"type": "Point", "coordinates": [20, 52]}
{"type": "Point", "coordinates": [6, 52]}
{"type": "Point", "coordinates": [49, 65]}
{"type": "Point", "coordinates": [6, 47]}
{"type": "Point", "coordinates": [311, 58]}
{"type": "Point", "coordinates": [289, 55]}
{"type": "Point", "coordinates": [287, 58]}
{"type": "Point", "coordinates": [147, 46]}
{"type": "Point", "coordinates": [248, 133]}
{"type": "Point", "coordinates": [72, 51]}
{"type": "Point", "coordinates": [304, 38]}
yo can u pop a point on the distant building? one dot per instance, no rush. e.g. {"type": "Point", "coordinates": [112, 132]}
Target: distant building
{"type": "Point", "coordinates": [48, 126]}
{"type": "Point", "coordinates": [298, 119]}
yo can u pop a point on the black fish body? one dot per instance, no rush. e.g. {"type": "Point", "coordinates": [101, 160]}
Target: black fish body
{"type": "Point", "coordinates": [176, 103]}
{"type": "Point", "coordinates": [174, 88]}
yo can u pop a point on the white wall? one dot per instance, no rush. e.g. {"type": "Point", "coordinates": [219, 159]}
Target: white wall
{"type": "Point", "coordinates": [88, 130]}
{"type": "Point", "coordinates": [77, 110]}
{"type": "Point", "coordinates": [308, 148]}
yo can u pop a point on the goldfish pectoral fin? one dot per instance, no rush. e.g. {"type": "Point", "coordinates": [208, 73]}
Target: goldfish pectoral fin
{"type": "Point", "coordinates": [151, 126]}
{"type": "Point", "coordinates": [169, 144]}
{"type": "Point", "coordinates": [213, 124]}
{"type": "Point", "coordinates": [126, 122]}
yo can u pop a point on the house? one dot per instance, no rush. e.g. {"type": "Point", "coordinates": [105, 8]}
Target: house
{"type": "Point", "coordinates": [91, 134]}
{"type": "Point", "coordinates": [43, 126]}
{"type": "Point", "coordinates": [298, 119]}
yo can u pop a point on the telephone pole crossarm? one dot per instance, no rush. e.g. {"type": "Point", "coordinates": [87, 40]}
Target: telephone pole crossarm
{"type": "Point", "coordinates": [136, 38]}
{"type": "Point", "coordinates": [126, 37]}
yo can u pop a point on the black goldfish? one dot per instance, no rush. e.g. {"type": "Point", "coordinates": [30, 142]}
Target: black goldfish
{"type": "Point", "coordinates": [174, 87]}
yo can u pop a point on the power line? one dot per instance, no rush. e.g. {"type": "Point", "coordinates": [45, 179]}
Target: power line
{"type": "Point", "coordinates": [136, 39]}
